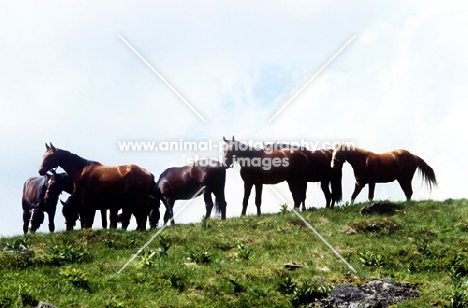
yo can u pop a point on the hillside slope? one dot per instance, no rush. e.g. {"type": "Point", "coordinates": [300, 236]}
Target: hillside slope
{"type": "Point", "coordinates": [240, 262]}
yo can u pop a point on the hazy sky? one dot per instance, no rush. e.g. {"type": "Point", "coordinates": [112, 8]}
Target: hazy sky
{"type": "Point", "coordinates": [67, 78]}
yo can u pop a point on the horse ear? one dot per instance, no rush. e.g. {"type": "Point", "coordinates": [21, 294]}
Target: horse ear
{"type": "Point", "coordinates": [47, 146]}
{"type": "Point", "coordinates": [232, 137]}
{"type": "Point", "coordinates": [225, 140]}
{"type": "Point", "coordinates": [52, 146]}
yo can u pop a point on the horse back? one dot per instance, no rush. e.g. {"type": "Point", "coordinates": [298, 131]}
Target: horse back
{"type": "Point", "coordinates": [32, 190]}
{"type": "Point", "coordinates": [278, 166]}
{"type": "Point", "coordinates": [179, 183]}
{"type": "Point", "coordinates": [387, 167]}
{"type": "Point", "coordinates": [115, 179]}
{"type": "Point", "coordinates": [319, 164]}
{"type": "Point", "coordinates": [213, 177]}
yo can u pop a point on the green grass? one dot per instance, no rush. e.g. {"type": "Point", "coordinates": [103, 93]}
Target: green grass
{"type": "Point", "coordinates": [240, 262]}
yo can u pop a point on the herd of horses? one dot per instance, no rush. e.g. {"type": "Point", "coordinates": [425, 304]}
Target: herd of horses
{"type": "Point", "coordinates": [131, 190]}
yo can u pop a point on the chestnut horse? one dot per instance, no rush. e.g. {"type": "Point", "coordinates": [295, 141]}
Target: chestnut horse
{"type": "Point", "coordinates": [260, 167]}
{"type": "Point", "coordinates": [319, 171]}
{"type": "Point", "coordinates": [99, 187]}
{"type": "Point", "coordinates": [182, 183]}
{"type": "Point", "coordinates": [370, 168]}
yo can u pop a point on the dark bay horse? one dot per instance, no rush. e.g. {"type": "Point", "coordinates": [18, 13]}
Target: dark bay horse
{"type": "Point", "coordinates": [370, 168]}
{"type": "Point", "coordinates": [260, 167]}
{"type": "Point", "coordinates": [319, 171]}
{"type": "Point", "coordinates": [182, 183]}
{"type": "Point", "coordinates": [71, 215]}
{"type": "Point", "coordinates": [99, 187]}
{"type": "Point", "coordinates": [40, 194]}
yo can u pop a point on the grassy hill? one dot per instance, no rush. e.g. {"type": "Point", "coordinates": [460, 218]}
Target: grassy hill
{"type": "Point", "coordinates": [240, 262]}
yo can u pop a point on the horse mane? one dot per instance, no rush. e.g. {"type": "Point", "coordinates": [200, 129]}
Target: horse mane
{"type": "Point", "coordinates": [77, 159]}
{"type": "Point", "coordinates": [361, 151]}
{"type": "Point", "coordinates": [249, 149]}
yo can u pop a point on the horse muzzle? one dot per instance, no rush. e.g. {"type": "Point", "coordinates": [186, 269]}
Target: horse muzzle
{"type": "Point", "coordinates": [42, 170]}
{"type": "Point", "coordinates": [32, 229]}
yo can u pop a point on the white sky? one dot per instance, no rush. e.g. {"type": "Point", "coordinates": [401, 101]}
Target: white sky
{"type": "Point", "coordinates": [66, 77]}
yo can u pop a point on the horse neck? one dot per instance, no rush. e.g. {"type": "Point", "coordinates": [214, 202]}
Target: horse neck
{"type": "Point", "coordinates": [73, 164]}
{"type": "Point", "coordinates": [66, 183]}
{"type": "Point", "coordinates": [249, 153]}
{"type": "Point", "coordinates": [356, 157]}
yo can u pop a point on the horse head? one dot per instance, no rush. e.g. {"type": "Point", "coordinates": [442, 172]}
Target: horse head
{"type": "Point", "coordinates": [338, 157]}
{"type": "Point", "coordinates": [53, 188]}
{"type": "Point", "coordinates": [70, 211]}
{"type": "Point", "coordinates": [49, 160]}
{"type": "Point", "coordinates": [229, 150]}
{"type": "Point", "coordinates": [36, 219]}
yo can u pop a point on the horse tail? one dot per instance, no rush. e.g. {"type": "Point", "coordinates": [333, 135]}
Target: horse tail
{"type": "Point", "coordinates": [427, 173]}
{"type": "Point", "coordinates": [153, 183]}
{"type": "Point", "coordinates": [337, 191]}
{"type": "Point", "coordinates": [153, 203]}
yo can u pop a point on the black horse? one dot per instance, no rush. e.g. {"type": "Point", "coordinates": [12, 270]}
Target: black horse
{"type": "Point", "coordinates": [182, 183]}
{"type": "Point", "coordinates": [259, 167]}
{"type": "Point", "coordinates": [40, 194]}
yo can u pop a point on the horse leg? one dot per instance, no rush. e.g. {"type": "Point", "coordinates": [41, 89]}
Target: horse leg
{"type": "Point", "coordinates": [221, 203]}
{"type": "Point", "coordinates": [357, 189]}
{"type": "Point", "coordinates": [327, 193]}
{"type": "Point", "coordinates": [303, 193]}
{"type": "Point", "coordinates": [90, 218]}
{"type": "Point", "coordinates": [245, 201]}
{"type": "Point", "coordinates": [51, 216]}
{"type": "Point", "coordinates": [405, 184]}
{"type": "Point", "coordinates": [26, 217]}
{"type": "Point", "coordinates": [140, 217]}
{"type": "Point", "coordinates": [297, 194]}
{"type": "Point", "coordinates": [104, 219]}
{"type": "Point", "coordinates": [113, 218]}
{"type": "Point", "coordinates": [258, 197]}
{"type": "Point", "coordinates": [169, 214]}
{"type": "Point", "coordinates": [371, 191]}
{"type": "Point", "coordinates": [208, 202]}
{"type": "Point", "coordinates": [140, 212]}
{"type": "Point", "coordinates": [153, 213]}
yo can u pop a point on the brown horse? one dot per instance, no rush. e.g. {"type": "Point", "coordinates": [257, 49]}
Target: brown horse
{"type": "Point", "coordinates": [370, 168]}
{"type": "Point", "coordinates": [319, 171]}
{"type": "Point", "coordinates": [260, 167]}
{"type": "Point", "coordinates": [99, 187]}
{"type": "Point", "coordinates": [40, 194]}
{"type": "Point", "coordinates": [182, 183]}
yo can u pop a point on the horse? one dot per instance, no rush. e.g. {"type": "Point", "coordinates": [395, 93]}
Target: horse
{"type": "Point", "coordinates": [40, 194]}
{"type": "Point", "coordinates": [319, 171]}
{"type": "Point", "coordinates": [182, 183]}
{"type": "Point", "coordinates": [68, 212]}
{"type": "Point", "coordinates": [370, 168]}
{"type": "Point", "coordinates": [99, 187]}
{"type": "Point", "coordinates": [260, 167]}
